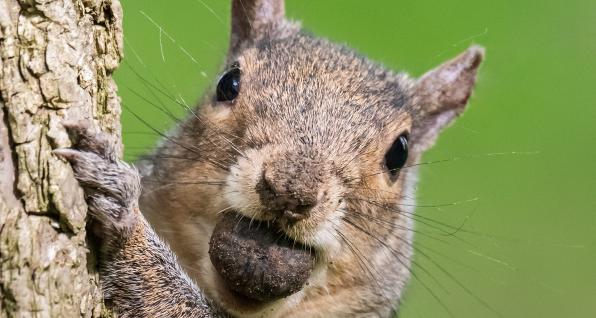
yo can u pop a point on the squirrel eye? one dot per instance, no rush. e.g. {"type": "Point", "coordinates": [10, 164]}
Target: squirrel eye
{"type": "Point", "coordinates": [397, 155]}
{"type": "Point", "coordinates": [229, 85]}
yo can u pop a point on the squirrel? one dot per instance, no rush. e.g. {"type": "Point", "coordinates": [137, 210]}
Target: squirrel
{"type": "Point", "coordinates": [288, 192]}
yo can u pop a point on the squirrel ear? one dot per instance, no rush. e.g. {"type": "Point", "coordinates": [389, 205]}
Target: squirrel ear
{"type": "Point", "coordinates": [252, 19]}
{"type": "Point", "coordinates": [441, 95]}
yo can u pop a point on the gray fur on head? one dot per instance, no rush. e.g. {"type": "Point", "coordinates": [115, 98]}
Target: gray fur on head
{"type": "Point", "coordinates": [302, 147]}
{"type": "Point", "coordinates": [309, 130]}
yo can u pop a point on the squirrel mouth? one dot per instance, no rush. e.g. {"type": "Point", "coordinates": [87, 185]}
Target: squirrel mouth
{"type": "Point", "coordinates": [257, 261]}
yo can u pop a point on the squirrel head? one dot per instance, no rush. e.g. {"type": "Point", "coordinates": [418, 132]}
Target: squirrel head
{"type": "Point", "coordinates": [317, 141]}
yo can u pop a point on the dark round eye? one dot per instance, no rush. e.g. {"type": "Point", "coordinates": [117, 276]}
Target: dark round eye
{"type": "Point", "coordinates": [229, 85]}
{"type": "Point", "coordinates": [397, 155]}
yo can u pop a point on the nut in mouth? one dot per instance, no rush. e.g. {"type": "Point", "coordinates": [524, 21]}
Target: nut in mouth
{"type": "Point", "coordinates": [257, 261]}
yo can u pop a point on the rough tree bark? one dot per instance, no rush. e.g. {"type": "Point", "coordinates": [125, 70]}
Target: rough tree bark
{"type": "Point", "coordinates": [56, 62]}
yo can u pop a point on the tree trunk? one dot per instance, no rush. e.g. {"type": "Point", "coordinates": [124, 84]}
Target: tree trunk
{"type": "Point", "coordinates": [56, 62]}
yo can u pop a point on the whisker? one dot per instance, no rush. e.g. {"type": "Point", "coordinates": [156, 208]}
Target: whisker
{"type": "Point", "coordinates": [156, 130]}
{"type": "Point", "coordinates": [397, 254]}
{"type": "Point", "coordinates": [161, 107]}
{"type": "Point", "coordinates": [434, 262]}
{"type": "Point", "coordinates": [188, 108]}
{"type": "Point", "coordinates": [359, 258]}
{"type": "Point", "coordinates": [438, 205]}
{"type": "Point", "coordinates": [493, 154]}
{"type": "Point", "coordinates": [162, 31]}
{"type": "Point", "coordinates": [432, 223]}
{"type": "Point", "coordinates": [390, 226]}
{"type": "Point", "coordinates": [224, 210]}
{"type": "Point", "coordinates": [211, 10]}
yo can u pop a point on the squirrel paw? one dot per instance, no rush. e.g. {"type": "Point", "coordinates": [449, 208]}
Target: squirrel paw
{"type": "Point", "coordinates": [112, 187]}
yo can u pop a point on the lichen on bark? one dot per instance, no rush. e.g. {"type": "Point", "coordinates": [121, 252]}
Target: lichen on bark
{"type": "Point", "coordinates": [56, 63]}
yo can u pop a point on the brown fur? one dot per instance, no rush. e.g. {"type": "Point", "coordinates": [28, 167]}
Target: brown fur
{"type": "Point", "coordinates": [302, 147]}
{"type": "Point", "coordinates": [315, 119]}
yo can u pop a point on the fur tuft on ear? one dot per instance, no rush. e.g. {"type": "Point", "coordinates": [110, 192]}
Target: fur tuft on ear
{"type": "Point", "coordinates": [254, 19]}
{"type": "Point", "coordinates": [441, 95]}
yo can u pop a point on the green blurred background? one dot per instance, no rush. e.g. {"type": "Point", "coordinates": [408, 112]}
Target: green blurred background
{"type": "Point", "coordinates": [518, 165]}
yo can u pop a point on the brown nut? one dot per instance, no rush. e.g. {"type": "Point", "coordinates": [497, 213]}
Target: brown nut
{"type": "Point", "coordinates": [256, 261]}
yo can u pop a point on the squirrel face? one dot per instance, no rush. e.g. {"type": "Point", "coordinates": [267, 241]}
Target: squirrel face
{"type": "Point", "coordinates": [313, 119]}
{"type": "Point", "coordinates": [316, 142]}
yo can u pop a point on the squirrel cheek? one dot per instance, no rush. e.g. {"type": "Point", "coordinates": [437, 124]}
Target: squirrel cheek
{"type": "Point", "coordinates": [240, 191]}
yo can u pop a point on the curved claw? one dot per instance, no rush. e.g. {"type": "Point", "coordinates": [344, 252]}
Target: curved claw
{"type": "Point", "coordinates": [88, 139]}
{"type": "Point", "coordinates": [68, 154]}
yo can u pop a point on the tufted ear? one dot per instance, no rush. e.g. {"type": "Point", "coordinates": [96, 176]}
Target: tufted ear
{"type": "Point", "coordinates": [441, 95]}
{"type": "Point", "coordinates": [253, 19]}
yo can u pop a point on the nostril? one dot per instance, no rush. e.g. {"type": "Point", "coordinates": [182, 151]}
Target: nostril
{"type": "Point", "coordinates": [298, 212]}
{"type": "Point", "coordinates": [266, 189]}
{"type": "Point", "coordinates": [289, 210]}
{"type": "Point", "coordinates": [304, 208]}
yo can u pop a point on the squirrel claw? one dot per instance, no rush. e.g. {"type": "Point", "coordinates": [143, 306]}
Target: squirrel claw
{"type": "Point", "coordinates": [85, 138]}
{"type": "Point", "coordinates": [66, 153]}
{"type": "Point", "coordinates": [112, 187]}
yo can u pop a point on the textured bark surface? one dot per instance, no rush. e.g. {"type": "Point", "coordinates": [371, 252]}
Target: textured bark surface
{"type": "Point", "coordinates": [56, 62]}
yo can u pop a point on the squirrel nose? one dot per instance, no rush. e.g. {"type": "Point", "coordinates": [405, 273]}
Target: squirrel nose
{"type": "Point", "coordinates": [290, 198]}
